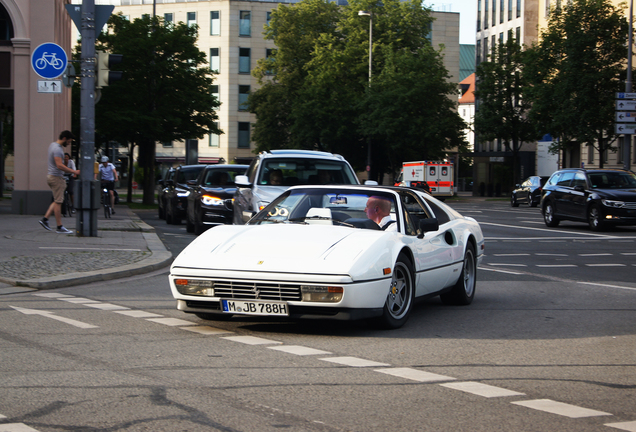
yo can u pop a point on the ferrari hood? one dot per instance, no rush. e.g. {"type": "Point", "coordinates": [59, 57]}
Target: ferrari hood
{"type": "Point", "coordinates": [279, 248]}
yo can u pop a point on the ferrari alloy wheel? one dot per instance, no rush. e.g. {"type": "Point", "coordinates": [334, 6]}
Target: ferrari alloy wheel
{"type": "Point", "coordinates": [463, 291]}
{"type": "Point", "coordinates": [548, 216]}
{"type": "Point", "coordinates": [399, 301]}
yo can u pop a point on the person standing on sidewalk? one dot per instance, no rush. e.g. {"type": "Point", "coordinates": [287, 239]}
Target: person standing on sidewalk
{"type": "Point", "coordinates": [108, 174]}
{"type": "Point", "coordinates": [55, 180]}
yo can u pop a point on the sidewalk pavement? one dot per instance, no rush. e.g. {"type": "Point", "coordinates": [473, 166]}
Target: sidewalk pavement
{"type": "Point", "coordinates": [33, 258]}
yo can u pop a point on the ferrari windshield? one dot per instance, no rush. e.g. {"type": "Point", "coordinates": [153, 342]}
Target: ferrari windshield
{"type": "Point", "coordinates": [328, 206]}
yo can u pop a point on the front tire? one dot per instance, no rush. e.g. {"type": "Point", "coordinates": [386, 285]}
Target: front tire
{"type": "Point", "coordinates": [513, 201]}
{"type": "Point", "coordinates": [595, 219]}
{"type": "Point", "coordinates": [463, 292]}
{"type": "Point", "coordinates": [548, 216]}
{"type": "Point", "coordinates": [399, 301]}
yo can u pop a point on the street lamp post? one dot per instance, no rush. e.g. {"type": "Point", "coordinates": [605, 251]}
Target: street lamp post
{"type": "Point", "coordinates": [370, 15]}
{"type": "Point", "coordinates": [627, 140]}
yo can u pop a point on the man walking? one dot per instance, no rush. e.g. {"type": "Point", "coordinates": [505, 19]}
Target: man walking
{"type": "Point", "coordinates": [55, 180]}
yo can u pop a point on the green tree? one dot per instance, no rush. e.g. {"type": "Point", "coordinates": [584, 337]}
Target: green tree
{"type": "Point", "coordinates": [165, 94]}
{"type": "Point", "coordinates": [574, 71]}
{"type": "Point", "coordinates": [316, 92]}
{"type": "Point", "coordinates": [502, 111]}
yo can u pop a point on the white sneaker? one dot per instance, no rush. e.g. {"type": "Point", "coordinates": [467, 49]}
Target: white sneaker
{"type": "Point", "coordinates": [63, 230]}
{"type": "Point", "coordinates": [45, 224]}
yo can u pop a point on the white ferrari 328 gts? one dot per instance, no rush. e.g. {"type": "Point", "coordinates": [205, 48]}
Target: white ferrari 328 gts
{"type": "Point", "coordinates": [314, 253]}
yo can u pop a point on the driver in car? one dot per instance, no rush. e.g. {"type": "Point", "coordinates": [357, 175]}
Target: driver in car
{"type": "Point", "coordinates": [378, 209]}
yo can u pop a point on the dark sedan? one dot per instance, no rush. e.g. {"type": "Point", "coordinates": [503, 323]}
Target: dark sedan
{"type": "Point", "coordinates": [600, 197]}
{"type": "Point", "coordinates": [528, 192]}
{"type": "Point", "coordinates": [176, 197]}
{"type": "Point", "coordinates": [162, 192]}
{"type": "Point", "coordinates": [210, 198]}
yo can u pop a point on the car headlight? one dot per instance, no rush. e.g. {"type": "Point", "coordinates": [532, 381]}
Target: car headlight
{"type": "Point", "coordinates": [262, 205]}
{"type": "Point", "coordinates": [324, 294]}
{"type": "Point", "coordinates": [183, 194]}
{"type": "Point", "coordinates": [611, 203]}
{"type": "Point", "coordinates": [197, 287]}
{"type": "Point", "coordinates": [211, 200]}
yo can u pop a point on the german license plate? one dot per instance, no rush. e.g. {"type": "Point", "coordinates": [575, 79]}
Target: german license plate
{"type": "Point", "coordinates": [248, 307]}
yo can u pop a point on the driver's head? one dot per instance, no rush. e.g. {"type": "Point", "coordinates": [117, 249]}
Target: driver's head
{"type": "Point", "coordinates": [377, 208]}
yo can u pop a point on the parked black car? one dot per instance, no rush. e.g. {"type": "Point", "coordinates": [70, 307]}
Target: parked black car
{"type": "Point", "coordinates": [600, 197]}
{"type": "Point", "coordinates": [162, 191]}
{"type": "Point", "coordinates": [178, 190]}
{"type": "Point", "coordinates": [528, 192]}
{"type": "Point", "coordinates": [211, 196]}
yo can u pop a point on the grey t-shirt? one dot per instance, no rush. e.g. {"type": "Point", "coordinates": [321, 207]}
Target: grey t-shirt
{"type": "Point", "coordinates": [55, 149]}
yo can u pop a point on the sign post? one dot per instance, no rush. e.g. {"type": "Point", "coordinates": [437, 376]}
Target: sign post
{"type": "Point", "coordinates": [626, 121]}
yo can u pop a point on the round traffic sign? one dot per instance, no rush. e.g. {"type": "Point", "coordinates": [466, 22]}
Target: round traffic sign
{"type": "Point", "coordinates": [49, 60]}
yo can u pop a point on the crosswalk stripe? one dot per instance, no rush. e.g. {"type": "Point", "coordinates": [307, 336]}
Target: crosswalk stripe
{"type": "Point", "coordinates": [560, 408]}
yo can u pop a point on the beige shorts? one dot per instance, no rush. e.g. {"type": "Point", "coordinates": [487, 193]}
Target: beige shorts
{"type": "Point", "coordinates": [57, 185]}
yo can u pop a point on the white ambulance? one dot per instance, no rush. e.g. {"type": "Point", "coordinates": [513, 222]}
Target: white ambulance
{"type": "Point", "coordinates": [439, 176]}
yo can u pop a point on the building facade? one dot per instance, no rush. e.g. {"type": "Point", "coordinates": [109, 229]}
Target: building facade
{"type": "Point", "coordinates": [37, 118]}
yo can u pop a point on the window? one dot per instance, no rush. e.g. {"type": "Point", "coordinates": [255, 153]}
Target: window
{"type": "Point", "coordinates": [145, 16]}
{"type": "Point", "coordinates": [269, 17]}
{"type": "Point", "coordinates": [510, 9]}
{"type": "Point", "coordinates": [518, 8]}
{"type": "Point", "coordinates": [192, 19]}
{"type": "Point", "coordinates": [478, 15]}
{"type": "Point", "coordinates": [486, 49]}
{"type": "Point", "coordinates": [579, 180]}
{"type": "Point", "coordinates": [590, 154]}
{"type": "Point", "coordinates": [215, 60]}
{"type": "Point", "coordinates": [547, 9]}
{"type": "Point", "coordinates": [215, 23]}
{"type": "Point", "coordinates": [244, 135]}
{"type": "Point", "coordinates": [214, 138]}
{"type": "Point", "coordinates": [270, 60]}
{"type": "Point", "coordinates": [501, 38]}
{"type": "Point", "coordinates": [167, 144]}
{"type": "Point", "coordinates": [485, 14]}
{"type": "Point", "coordinates": [245, 23]}
{"type": "Point", "coordinates": [478, 52]}
{"type": "Point", "coordinates": [244, 60]}
{"type": "Point", "coordinates": [244, 92]}
{"type": "Point", "coordinates": [493, 45]}
{"type": "Point", "coordinates": [501, 11]}
{"type": "Point", "coordinates": [565, 179]}
{"type": "Point", "coordinates": [214, 90]}
{"type": "Point", "coordinates": [518, 35]}
{"type": "Point", "coordinates": [494, 12]}
{"type": "Point", "coordinates": [168, 18]}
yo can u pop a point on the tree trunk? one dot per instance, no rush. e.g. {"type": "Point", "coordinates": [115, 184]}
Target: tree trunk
{"type": "Point", "coordinates": [147, 163]}
{"type": "Point", "coordinates": [600, 150]}
{"type": "Point", "coordinates": [130, 171]}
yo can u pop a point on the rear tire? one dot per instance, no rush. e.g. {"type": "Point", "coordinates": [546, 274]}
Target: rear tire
{"type": "Point", "coordinates": [595, 219]}
{"type": "Point", "coordinates": [399, 301]}
{"type": "Point", "coordinates": [463, 292]}
{"type": "Point", "coordinates": [513, 201]}
{"type": "Point", "coordinates": [548, 216]}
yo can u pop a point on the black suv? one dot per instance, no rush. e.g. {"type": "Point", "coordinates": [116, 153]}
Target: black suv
{"type": "Point", "coordinates": [176, 196]}
{"type": "Point", "coordinates": [600, 197]}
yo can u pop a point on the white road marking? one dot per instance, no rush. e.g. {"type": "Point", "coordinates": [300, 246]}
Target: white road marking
{"type": "Point", "coordinates": [52, 295]}
{"type": "Point", "coordinates": [206, 330]}
{"type": "Point", "coordinates": [480, 389]}
{"type": "Point", "coordinates": [628, 253]}
{"type": "Point", "coordinates": [595, 254]}
{"type": "Point", "coordinates": [49, 314]}
{"type": "Point", "coordinates": [507, 265]}
{"type": "Point", "coordinates": [511, 255]}
{"type": "Point", "coordinates": [560, 408]}
{"type": "Point", "coordinates": [605, 265]}
{"type": "Point", "coordinates": [138, 314]}
{"type": "Point", "coordinates": [551, 230]}
{"type": "Point", "coordinates": [608, 286]}
{"type": "Point", "coordinates": [172, 322]}
{"type": "Point", "coordinates": [499, 271]}
{"type": "Point", "coordinates": [106, 306]}
{"type": "Point", "coordinates": [551, 254]}
{"type": "Point", "coordinates": [354, 361]}
{"type": "Point", "coordinates": [251, 340]}
{"type": "Point", "coordinates": [556, 265]}
{"type": "Point", "coordinates": [299, 350]}
{"type": "Point", "coordinates": [415, 375]}
{"type": "Point", "coordinates": [80, 300]}
{"type": "Point", "coordinates": [16, 427]}
{"type": "Point", "coordinates": [626, 426]}
{"type": "Point", "coordinates": [82, 248]}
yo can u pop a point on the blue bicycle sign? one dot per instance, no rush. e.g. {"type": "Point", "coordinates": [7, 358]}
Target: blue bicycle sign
{"type": "Point", "coordinates": [49, 60]}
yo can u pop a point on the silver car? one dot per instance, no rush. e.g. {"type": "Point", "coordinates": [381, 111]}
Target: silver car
{"type": "Point", "coordinates": [273, 172]}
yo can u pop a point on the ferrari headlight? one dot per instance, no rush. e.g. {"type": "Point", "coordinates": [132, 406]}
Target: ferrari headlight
{"type": "Point", "coordinates": [614, 204]}
{"type": "Point", "coordinates": [211, 200]}
{"type": "Point", "coordinates": [197, 287]}
{"type": "Point", "coordinates": [262, 205]}
{"type": "Point", "coordinates": [324, 294]}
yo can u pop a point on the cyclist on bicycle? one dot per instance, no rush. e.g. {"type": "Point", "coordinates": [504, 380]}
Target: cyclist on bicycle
{"type": "Point", "coordinates": [108, 175]}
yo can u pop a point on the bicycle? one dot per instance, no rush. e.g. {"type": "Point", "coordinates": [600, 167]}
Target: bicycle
{"type": "Point", "coordinates": [50, 59]}
{"type": "Point", "coordinates": [108, 211]}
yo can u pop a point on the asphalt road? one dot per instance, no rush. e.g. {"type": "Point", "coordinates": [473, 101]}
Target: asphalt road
{"type": "Point", "coordinates": [542, 348]}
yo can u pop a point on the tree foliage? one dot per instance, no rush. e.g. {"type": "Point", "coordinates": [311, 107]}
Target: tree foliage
{"type": "Point", "coordinates": [316, 92]}
{"type": "Point", "coordinates": [165, 94]}
{"type": "Point", "coordinates": [575, 70]}
{"type": "Point", "coordinates": [503, 112]}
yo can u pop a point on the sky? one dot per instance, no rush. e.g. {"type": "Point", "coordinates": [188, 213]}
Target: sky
{"type": "Point", "coordinates": [467, 17]}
